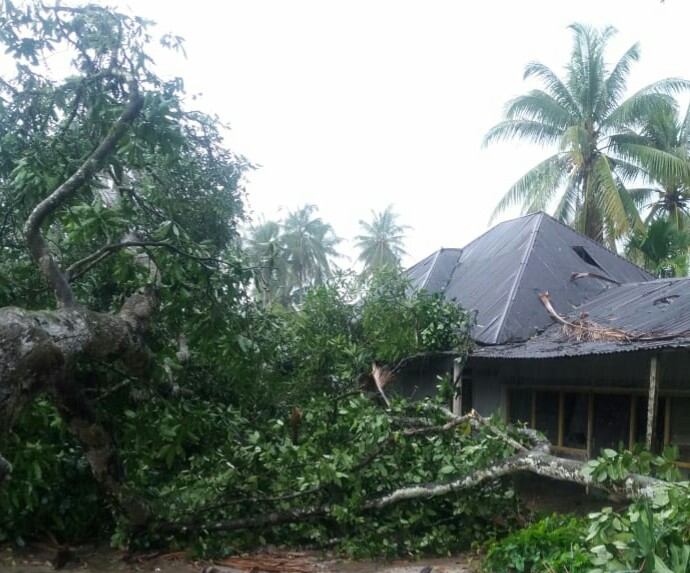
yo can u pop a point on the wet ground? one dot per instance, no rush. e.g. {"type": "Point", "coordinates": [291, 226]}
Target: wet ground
{"type": "Point", "coordinates": [42, 559]}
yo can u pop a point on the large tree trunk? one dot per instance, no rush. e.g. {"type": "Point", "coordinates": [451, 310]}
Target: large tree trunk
{"type": "Point", "coordinates": [38, 351]}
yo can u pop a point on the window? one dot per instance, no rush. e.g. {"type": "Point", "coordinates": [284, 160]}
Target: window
{"type": "Point", "coordinates": [520, 406]}
{"type": "Point", "coordinates": [547, 415]}
{"type": "Point", "coordinates": [575, 412]}
{"type": "Point", "coordinates": [679, 434]}
{"type": "Point", "coordinates": [611, 421]}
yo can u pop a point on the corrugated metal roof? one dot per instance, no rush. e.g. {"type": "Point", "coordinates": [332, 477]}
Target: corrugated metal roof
{"type": "Point", "coordinates": [500, 274]}
{"type": "Point", "coordinates": [658, 308]}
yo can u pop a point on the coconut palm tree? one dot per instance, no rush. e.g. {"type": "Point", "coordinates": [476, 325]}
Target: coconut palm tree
{"type": "Point", "coordinates": [266, 253]}
{"type": "Point", "coordinates": [592, 126]}
{"type": "Point", "coordinates": [669, 197]}
{"type": "Point", "coordinates": [381, 245]}
{"type": "Point", "coordinates": [309, 249]}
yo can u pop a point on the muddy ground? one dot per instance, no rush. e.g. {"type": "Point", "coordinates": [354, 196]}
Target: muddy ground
{"type": "Point", "coordinates": [34, 559]}
{"type": "Point", "coordinates": [540, 496]}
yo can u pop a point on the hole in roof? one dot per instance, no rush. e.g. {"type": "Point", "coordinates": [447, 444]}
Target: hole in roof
{"type": "Point", "coordinates": [585, 256]}
{"type": "Point", "coordinates": [665, 300]}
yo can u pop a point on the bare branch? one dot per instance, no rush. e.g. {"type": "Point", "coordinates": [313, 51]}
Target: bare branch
{"type": "Point", "coordinates": [82, 266]}
{"type": "Point", "coordinates": [405, 362]}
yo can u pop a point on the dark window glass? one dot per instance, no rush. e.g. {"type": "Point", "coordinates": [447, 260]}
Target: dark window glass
{"type": "Point", "coordinates": [575, 408]}
{"type": "Point", "coordinates": [611, 421]}
{"type": "Point", "coordinates": [680, 426]}
{"type": "Point", "coordinates": [547, 415]}
{"type": "Point", "coordinates": [520, 403]}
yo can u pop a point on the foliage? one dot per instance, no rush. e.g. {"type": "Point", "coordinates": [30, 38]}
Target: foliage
{"type": "Point", "coordinates": [617, 465]}
{"type": "Point", "coordinates": [169, 182]}
{"type": "Point", "coordinates": [256, 468]}
{"type": "Point", "coordinates": [52, 489]}
{"type": "Point", "coordinates": [224, 448]}
{"type": "Point", "coordinates": [650, 535]}
{"type": "Point", "coordinates": [662, 249]}
{"type": "Point", "coordinates": [381, 245]}
{"type": "Point", "coordinates": [554, 543]}
{"type": "Point", "coordinates": [668, 198]}
{"type": "Point", "coordinates": [586, 116]}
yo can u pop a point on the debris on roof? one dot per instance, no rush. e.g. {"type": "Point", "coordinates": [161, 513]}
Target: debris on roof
{"type": "Point", "coordinates": [640, 316]}
{"type": "Point", "coordinates": [501, 273]}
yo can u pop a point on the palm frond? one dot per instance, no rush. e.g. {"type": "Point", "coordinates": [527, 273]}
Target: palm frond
{"type": "Point", "coordinates": [608, 197]}
{"type": "Point", "coordinates": [554, 87]}
{"type": "Point", "coordinates": [626, 170]}
{"type": "Point", "coordinates": [541, 107]}
{"type": "Point", "coordinates": [660, 165]}
{"type": "Point", "coordinates": [575, 141]}
{"type": "Point", "coordinates": [616, 83]}
{"type": "Point", "coordinates": [635, 109]}
{"type": "Point", "coordinates": [684, 133]}
{"type": "Point", "coordinates": [642, 196]}
{"type": "Point", "coordinates": [568, 205]}
{"type": "Point", "coordinates": [536, 187]}
{"type": "Point", "coordinates": [534, 131]}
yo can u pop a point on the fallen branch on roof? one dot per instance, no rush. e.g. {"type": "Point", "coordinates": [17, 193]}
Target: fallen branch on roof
{"type": "Point", "coordinates": [576, 276]}
{"type": "Point", "coordinates": [584, 330]}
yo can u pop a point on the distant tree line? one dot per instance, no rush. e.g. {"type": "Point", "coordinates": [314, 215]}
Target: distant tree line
{"type": "Point", "coordinates": [300, 252]}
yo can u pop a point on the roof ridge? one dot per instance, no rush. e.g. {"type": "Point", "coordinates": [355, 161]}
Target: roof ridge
{"type": "Point", "coordinates": [456, 264]}
{"type": "Point", "coordinates": [521, 271]}
{"type": "Point", "coordinates": [494, 227]}
{"type": "Point", "coordinates": [431, 268]}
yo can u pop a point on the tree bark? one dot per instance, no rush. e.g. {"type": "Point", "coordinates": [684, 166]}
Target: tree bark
{"type": "Point", "coordinates": [38, 350]}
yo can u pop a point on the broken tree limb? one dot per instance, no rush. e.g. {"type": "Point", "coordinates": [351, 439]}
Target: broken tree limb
{"type": "Point", "coordinates": [582, 329]}
{"type": "Point", "coordinates": [37, 352]}
{"type": "Point", "coordinates": [545, 465]}
{"type": "Point", "coordinates": [381, 378]}
{"type": "Point", "coordinates": [424, 430]}
{"type": "Point", "coordinates": [99, 449]}
{"type": "Point", "coordinates": [476, 419]}
{"type": "Point", "coordinates": [576, 276]}
{"type": "Point", "coordinates": [537, 461]}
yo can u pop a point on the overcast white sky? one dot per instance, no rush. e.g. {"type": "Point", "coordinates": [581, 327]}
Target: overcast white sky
{"type": "Point", "coordinates": [357, 104]}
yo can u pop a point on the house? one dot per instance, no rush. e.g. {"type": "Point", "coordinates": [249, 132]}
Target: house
{"type": "Point", "coordinates": [571, 338]}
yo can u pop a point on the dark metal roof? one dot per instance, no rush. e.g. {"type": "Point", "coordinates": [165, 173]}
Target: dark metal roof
{"type": "Point", "coordinates": [433, 272]}
{"type": "Point", "coordinates": [658, 308]}
{"type": "Point", "coordinates": [500, 274]}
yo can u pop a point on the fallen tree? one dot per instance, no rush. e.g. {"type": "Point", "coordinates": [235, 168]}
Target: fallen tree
{"type": "Point", "coordinates": [119, 262]}
{"type": "Point", "coordinates": [111, 134]}
{"type": "Point", "coordinates": [533, 457]}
